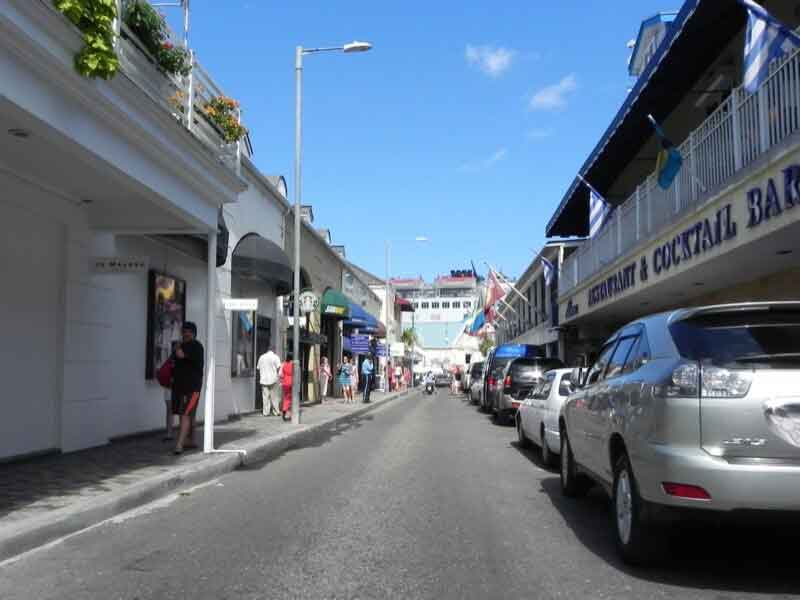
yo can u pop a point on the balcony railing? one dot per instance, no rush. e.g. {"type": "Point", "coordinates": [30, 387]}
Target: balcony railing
{"type": "Point", "coordinates": [743, 128]}
{"type": "Point", "coordinates": [184, 97]}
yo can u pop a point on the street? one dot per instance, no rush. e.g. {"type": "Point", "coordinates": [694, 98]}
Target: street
{"type": "Point", "coordinates": [425, 498]}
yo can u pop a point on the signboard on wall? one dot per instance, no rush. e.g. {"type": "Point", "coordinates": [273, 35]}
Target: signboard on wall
{"type": "Point", "coordinates": [359, 344]}
{"type": "Point", "coordinates": [240, 304]}
{"type": "Point", "coordinates": [398, 349]}
{"type": "Point", "coordinates": [105, 265]}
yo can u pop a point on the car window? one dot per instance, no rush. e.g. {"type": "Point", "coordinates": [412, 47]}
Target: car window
{"type": "Point", "coordinates": [543, 391]}
{"type": "Point", "coordinates": [565, 386]}
{"type": "Point", "coordinates": [599, 366]}
{"type": "Point", "coordinates": [638, 356]}
{"type": "Point", "coordinates": [617, 360]}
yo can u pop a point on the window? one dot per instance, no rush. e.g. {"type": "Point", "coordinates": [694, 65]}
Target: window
{"type": "Point", "coordinates": [434, 305]}
{"type": "Point", "coordinates": [467, 304]}
{"type": "Point", "coordinates": [638, 356]}
{"type": "Point", "coordinates": [543, 391]}
{"type": "Point", "coordinates": [456, 304]}
{"type": "Point", "coordinates": [425, 305]}
{"type": "Point", "coordinates": [445, 305]}
{"type": "Point", "coordinates": [617, 361]}
{"type": "Point", "coordinates": [599, 366]}
{"type": "Point", "coordinates": [416, 305]}
{"type": "Point", "coordinates": [565, 387]}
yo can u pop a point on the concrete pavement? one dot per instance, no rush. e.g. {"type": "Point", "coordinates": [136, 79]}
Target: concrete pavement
{"type": "Point", "coordinates": [424, 498]}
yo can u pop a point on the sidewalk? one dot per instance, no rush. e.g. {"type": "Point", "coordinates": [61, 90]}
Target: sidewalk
{"type": "Point", "coordinates": [45, 498]}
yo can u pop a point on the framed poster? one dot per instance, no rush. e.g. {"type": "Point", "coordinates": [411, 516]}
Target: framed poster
{"type": "Point", "coordinates": [243, 344]}
{"type": "Point", "coordinates": [166, 312]}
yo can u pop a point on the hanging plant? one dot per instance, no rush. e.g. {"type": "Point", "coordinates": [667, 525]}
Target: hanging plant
{"type": "Point", "coordinates": [222, 112]}
{"type": "Point", "coordinates": [95, 20]}
{"type": "Point", "coordinates": [175, 60]}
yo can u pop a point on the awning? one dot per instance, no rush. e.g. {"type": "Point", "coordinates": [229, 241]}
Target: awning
{"type": "Point", "coordinates": [405, 305]}
{"type": "Point", "coordinates": [260, 259]}
{"type": "Point", "coordinates": [360, 318]}
{"type": "Point", "coordinates": [335, 304]}
{"type": "Point", "coordinates": [309, 338]}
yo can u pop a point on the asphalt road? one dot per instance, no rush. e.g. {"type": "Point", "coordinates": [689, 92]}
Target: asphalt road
{"type": "Point", "coordinates": [424, 498]}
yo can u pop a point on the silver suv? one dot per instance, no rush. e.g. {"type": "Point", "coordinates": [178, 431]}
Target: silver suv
{"type": "Point", "coordinates": [695, 408]}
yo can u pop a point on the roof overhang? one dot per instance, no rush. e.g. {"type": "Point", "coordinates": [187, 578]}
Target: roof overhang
{"type": "Point", "coordinates": [696, 38]}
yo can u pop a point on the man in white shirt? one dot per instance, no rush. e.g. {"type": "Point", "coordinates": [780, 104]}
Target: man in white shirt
{"type": "Point", "coordinates": [268, 366]}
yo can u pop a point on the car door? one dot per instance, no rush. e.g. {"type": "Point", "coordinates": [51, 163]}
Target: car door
{"type": "Point", "coordinates": [539, 407]}
{"type": "Point", "coordinates": [578, 407]}
{"type": "Point", "coordinates": [608, 396]}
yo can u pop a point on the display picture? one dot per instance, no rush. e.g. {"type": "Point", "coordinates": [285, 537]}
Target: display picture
{"type": "Point", "coordinates": [243, 346]}
{"type": "Point", "coordinates": [166, 312]}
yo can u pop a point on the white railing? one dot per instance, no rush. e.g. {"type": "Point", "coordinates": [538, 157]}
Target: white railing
{"type": "Point", "coordinates": [741, 129]}
{"type": "Point", "coordinates": [182, 96]}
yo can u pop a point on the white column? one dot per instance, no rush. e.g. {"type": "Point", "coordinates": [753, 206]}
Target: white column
{"type": "Point", "coordinates": [211, 300]}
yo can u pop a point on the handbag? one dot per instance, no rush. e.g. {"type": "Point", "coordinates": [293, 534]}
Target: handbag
{"type": "Point", "coordinates": [164, 373]}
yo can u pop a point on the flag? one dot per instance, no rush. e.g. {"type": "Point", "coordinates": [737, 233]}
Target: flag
{"type": "Point", "coordinates": [767, 40]}
{"type": "Point", "coordinates": [495, 290]}
{"type": "Point", "coordinates": [669, 160]}
{"type": "Point", "coordinates": [477, 324]}
{"type": "Point", "coordinates": [549, 271]}
{"type": "Point", "coordinates": [599, 209]}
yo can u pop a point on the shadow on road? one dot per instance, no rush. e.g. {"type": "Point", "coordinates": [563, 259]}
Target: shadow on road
{"type": "Point", "coordinates": [754, 558]}
{"type": "Point", "coordinates": [533, 454]}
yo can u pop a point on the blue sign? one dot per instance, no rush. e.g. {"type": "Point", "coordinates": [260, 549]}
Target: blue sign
{"type": "Point", "coordinates": [382, 351]}
{"type": "Point", "coordinates": [516, 351]}
{"type": "Point", "coordinates": [359, 344]}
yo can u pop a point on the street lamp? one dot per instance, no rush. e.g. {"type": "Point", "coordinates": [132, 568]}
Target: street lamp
{"type": "Point", "coordinates": [354, 46]}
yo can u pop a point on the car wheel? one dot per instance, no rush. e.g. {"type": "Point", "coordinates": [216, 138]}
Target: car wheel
{"type": "Point", "coordinates": [548, 459]}
{"type": "Point", "coordinates": [633, 528]}
{"type": "Point", "coordinates": [524, 442]}
{"type": "Point", "coordinates": [573, 484]}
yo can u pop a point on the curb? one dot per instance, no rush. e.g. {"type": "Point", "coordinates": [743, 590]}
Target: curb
{"type": "Point", "coordinates": [30, 534]}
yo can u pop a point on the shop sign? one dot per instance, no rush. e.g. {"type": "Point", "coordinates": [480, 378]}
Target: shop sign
{"type": "Point", "coordinates": [398, 349]}
{"type": "Point", "coordinates": [308, 302]}
{"type": "Point", "coordinates": [339, 311]}
{"type": "Point", "coordinates": [105, 265]}
{"type": "Point", "coordinates": [359, 344]}
{"type": "Point", "coordinates": [571, 309]}
{"type": "Point", "coordinates": [240, 304]}
{"type": "Point", "coordinates": [381, 349]}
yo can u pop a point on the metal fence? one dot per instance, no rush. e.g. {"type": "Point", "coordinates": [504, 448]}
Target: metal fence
{"type": "Point", "coordinates": [744, 127]}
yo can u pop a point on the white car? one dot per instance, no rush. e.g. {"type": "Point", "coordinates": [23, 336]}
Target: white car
{"type": "Point", "coordinates": [537, 417]}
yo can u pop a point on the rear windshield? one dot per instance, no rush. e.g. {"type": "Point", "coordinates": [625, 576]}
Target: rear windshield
{"type": "Point", "coordinates": [523, 367]}
{"type": "Point", "coordinates": [746, 339]}
{"type": "Point", "coordinates": [477, 369]}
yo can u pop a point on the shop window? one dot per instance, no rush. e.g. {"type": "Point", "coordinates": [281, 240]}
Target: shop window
{"type": "Point", "coordinates": [242, 344]}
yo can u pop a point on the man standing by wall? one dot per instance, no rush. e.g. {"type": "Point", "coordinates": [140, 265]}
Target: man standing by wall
{"type": "Point", "coordinates": [187, 383]}
{"type": "Point", "coordinates": [367, 369]}
{"type": "Point", "coordinates": [268, 366]}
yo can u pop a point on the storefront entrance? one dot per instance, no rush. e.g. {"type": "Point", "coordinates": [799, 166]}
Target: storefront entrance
{"type": "Point", "coordinates": [263, 343]}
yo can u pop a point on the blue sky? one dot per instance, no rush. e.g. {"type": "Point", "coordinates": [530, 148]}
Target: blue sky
{"type": "Point", "coordinates": [466, 122]}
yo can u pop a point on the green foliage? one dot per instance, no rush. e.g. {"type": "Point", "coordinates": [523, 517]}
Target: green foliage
{"type": "Point", "coordinates": [223, 112]}
{"type": "Point", "coordinates": [409, 338]}
{"type": "Point", "coordinates": [485, 345]}
{"type": "Point", "coordinates": [95, 20]}
{"type": "Point", "coordinates": [151, 28]}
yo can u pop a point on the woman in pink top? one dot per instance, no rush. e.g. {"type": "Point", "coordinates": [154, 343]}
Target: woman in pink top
{"type": "Point", "coordinates": [286, 384]}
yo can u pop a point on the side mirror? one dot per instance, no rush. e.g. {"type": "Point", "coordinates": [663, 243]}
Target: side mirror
{"type": "Point", "coordinates": [576, 378]}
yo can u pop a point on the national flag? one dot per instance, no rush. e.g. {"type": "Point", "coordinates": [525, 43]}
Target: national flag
{"type": "Point", "coordinates": [477, 324]}
{"type": "Point", "coordinates": [599, 210]}
{"type": "Point", "coordinates": [767, 40]}
{"type": "Point", "coordinates": [669, 160]}
{"type": "Point", "coordinates": [494, 290]}
{"type": "Point", "coordinates": [549, 270]}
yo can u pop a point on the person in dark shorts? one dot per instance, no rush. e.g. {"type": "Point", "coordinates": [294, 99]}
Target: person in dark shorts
{"type": "Point", "coordinates": [187, 383]}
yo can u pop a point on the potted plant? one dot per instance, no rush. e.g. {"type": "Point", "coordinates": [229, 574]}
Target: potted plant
{"type": "Point", "coordinates": [151, 28]}
{"type": "Point", "coordinates": [222, 111]}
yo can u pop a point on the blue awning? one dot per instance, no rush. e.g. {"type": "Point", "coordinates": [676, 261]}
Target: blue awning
{"type": "Point", "coordinates": [360, 318]}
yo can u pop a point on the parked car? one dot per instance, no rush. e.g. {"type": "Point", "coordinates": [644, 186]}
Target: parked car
{"type": "Point", "coordinates": [493, 368]}
{"type": "Point", "coordinates": [696, 408]}
{"type": "Point", "coordinates": [515, 380]}
{"type": "Point", "coordinates": [443, 379]}
{"type": "Point", "coordinates": [537, 417]}
{"type": "Point", "coordinates": [475, 382]}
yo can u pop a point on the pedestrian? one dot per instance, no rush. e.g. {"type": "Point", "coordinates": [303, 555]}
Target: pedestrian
{"type": "Point", "coordinates": [367, 369]}
{"type": "Point", "coordinates": [353, 366]}
{"type": "Point", "coordinates": [324, 377]}
{"type": "Point", "coordinates": [343, 375]}
{"type": "Point", "coordinates": [187, 383]}
{"type": "Point", "coordinates": [406, 377]}
{"type": "Point", "coordinates": [287, 369]}
{"type": "Point", "coordinates": [398, 377]}
{"type": "Point", "coordinates": [268, 367]}
{"type": "Point", "coordinates": [390, 377]}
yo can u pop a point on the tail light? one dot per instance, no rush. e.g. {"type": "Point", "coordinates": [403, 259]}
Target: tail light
{"type": "Point", "coordinates": [711, 382]}
{"type": "Point", "coordinates": [507, 383]}
{"type": "Point", "coordinates": [492, 382]}
{"type": "Point", "coordinates": [684, 490]}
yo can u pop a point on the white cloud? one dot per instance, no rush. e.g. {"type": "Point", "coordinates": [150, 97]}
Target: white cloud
{"type": "Point", "coordinates": [539, 134]}
{"type": "Point", "coordinates": [492, 61]}
{"type": "Point", "coordinates": [485, 163]}
{"type": "Point", "coordinates": [554, 96]}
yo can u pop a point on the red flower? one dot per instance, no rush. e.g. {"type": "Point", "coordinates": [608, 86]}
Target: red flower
{"type": "Point", "coordinates": [168, 45]}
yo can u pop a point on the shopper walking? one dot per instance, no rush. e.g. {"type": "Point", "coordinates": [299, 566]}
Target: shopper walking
{"type": "Point", "coordinates": [398, 377]}
{"type": "Point", "coordinates": [324, 377]}
{"type": "Point", "coordinates": [343, 375]}
{"type": "Point", "coordinates": [367, 369]}
{"type": "Point", "coordinates": [353, 378]}
{"type": "Point", "coordinates": [187, 383]}
{"type": "Point", "coordinates": [287, 369]}
{"type": "Point", "coordinates": [268, 369]}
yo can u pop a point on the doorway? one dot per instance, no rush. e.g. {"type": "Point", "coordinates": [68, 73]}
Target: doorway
{"type": "Point", "coordinates": [263, 342]}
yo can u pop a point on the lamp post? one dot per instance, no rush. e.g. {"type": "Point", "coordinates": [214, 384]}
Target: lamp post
{"type": "Point", "coordinates": [419, 238]}
{"type": "Point", "coordinates": [352, 47]}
